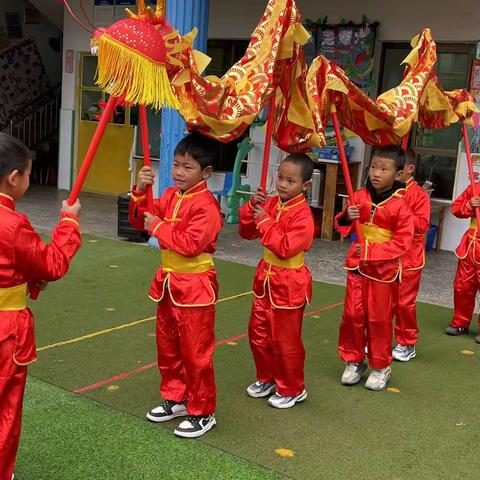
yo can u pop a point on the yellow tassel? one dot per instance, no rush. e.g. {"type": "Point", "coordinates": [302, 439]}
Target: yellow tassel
{"type": "Point", "coordinates": [125, 72]}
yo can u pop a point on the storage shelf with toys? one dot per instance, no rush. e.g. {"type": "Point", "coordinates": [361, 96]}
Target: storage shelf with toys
{"type": "Point", "coordinates": [329, 182]}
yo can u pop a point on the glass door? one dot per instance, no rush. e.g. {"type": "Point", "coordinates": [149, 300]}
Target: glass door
{"type": "Point", "coordinates": [110, 170]}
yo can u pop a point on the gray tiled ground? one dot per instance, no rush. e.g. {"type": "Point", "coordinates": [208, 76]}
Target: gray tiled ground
{"type": "Point", "coordinates": [99, 217]}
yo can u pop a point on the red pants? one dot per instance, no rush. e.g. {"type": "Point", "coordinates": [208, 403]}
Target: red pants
{"type": "Point", "coordinates": [465, 287]}
{"type": "Point", "coordinates": [12, 387]}
{"type": "Point", "coordinates": [275, 337]}
{"type": "Point", "coordinates": [185, 346]}
{"type": "Point", "coordinates": [406, 327]}
{"type": "Point", "coordinates": [367, 319]}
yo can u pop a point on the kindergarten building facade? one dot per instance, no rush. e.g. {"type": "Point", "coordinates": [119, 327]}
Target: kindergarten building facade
{"type": "Point", "coordinates": [229, 25]}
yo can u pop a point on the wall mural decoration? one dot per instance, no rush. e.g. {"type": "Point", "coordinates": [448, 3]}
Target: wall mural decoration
{"type": "Point", "coordinates": [350, 46]}
{"type": "Point", "coordinates": [23, 81]}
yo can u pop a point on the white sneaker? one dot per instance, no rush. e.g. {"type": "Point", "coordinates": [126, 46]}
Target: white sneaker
{"type": "Point", "coordinates": [195, 426]}
{"type": "Point", "coordinates": [353, 373]}
{"type": "Point", "coordinates": [260, 389]}
{"type": "Point", "coordinates": [277, 401]}
{"type": "Point", "coordinates": [404, 353]}
{"type": "Point", "coordinates": [378, 379]}
{"type": "Point", "coordinates": [167, 411]}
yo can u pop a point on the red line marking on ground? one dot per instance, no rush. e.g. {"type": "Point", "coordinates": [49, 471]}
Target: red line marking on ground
{"type": "Point", "coordinates": [224, 341]}
{"type": "Point", "coordinates": [231, 339]}
{"type": "Point", "coordinates": [141, 369]}
{"type": "Point", "coordinates": [323, 309]}
{"type": "Point", "coordinates": [94, 386]}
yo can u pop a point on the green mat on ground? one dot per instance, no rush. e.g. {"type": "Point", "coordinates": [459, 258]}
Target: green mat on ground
{"type": "Point", "coordinates": [423, 428]}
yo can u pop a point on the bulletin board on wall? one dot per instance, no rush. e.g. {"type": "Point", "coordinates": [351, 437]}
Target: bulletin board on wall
{"type": "Point", "coordinates": [351, 46]}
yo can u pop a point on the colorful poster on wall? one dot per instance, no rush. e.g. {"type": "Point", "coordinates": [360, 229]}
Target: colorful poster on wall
{"type": "Point", "coordinates": [23, 81]}
{"type": "Point", "coordinates": [351, 47]}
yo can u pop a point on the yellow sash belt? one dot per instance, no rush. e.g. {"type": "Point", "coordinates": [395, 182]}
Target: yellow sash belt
{"type": "Point", "coordinates": [294, 262]}
{"type": "Point", "coordinates": [13, 298]}
{"type": "Point", "coordinates": [473, 223]}
{"type": "Point", "coordinates": [174, 262]}
{"type": "Point", "coordinates": [375, 234]}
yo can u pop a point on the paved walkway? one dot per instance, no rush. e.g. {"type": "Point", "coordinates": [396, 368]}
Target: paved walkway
{"type": "Point", "coordinates": [99, 217]}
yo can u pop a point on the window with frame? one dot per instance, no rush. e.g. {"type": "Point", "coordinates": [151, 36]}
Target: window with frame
{"type": "Point", "coordinates": [436, 149]}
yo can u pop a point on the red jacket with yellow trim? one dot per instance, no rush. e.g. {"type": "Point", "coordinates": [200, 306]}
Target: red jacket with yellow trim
{"type": "Point", "coordinates": [419, 202]}
{"type": "Point", "coordinates": [286, 230]}
{"type": "Point", "coordinates": [25, 258]}
{"type": "Point", "coordinates": [188, 224]}
{"type": "Point", "coordinates": [379, 261]}
{"type": "Point", "coordinates": [461, 208]}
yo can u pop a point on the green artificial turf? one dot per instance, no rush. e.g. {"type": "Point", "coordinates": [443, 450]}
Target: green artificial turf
{"type": "Point", "coordinates": [66, 436]}
{"type": "Point", "coordinates": [425, 428]}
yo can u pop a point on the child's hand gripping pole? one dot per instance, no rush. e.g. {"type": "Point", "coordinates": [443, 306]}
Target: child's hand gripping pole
{"type": "Point", "coordinates": [92, 150]}
{"type": "Point", "coordinates": [346, 171]}
{"type": "Point", "coordinates": [146, 154]}
{"type": "Point", "coordinates": [268, 143]}
{"type": "Point", "coordinates": [470, 168]}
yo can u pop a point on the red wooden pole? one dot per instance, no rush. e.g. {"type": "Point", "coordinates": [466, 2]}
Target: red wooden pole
{"type": "Point", "coordinates": [405, 141]}
{"type": "Point", "coordinates": [470, 168]}
{"type": "Point", "coordinates": [268, 142]}
{"type": "Point", "coordinates": [92, 149]}
{"type": "Point", "coordinates": [346, 171]}
{"type": "Point", "coordinates": [146, 153]}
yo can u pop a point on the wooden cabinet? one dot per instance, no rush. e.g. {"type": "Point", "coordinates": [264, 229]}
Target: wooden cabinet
{"type": "Point", "coordinates": [334, 185]}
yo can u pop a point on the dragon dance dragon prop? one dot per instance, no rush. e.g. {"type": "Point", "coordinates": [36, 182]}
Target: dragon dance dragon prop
{"type": "Point", "coordinates": [143, 60]}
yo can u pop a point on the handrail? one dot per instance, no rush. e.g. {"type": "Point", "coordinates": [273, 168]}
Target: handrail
{"type": "Point", "coordinates": [40, 123]}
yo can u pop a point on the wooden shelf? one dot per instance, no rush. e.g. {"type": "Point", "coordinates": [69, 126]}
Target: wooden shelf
{"type": "Point", "coordinates": [334, 185]}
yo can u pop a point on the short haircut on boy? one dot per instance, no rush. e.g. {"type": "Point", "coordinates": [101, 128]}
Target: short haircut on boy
{"type": "Point", "coordinates": [393, 152]}
{"type": "Point", "coordinates": [304, 162]}
{"type": "Point", "coordinates": [14, 155]}
{"type": "Point", "coordinates": [410, 157]}
{"type": "Point", "coordinates": [202, 149]}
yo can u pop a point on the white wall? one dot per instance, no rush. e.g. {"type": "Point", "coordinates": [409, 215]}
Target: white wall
{"type": "Point", "coordinates": [449, 21]}
{"type": "Point", "coordinates": [78, 40]}
{"type": "Point", "coordinates": [52, 10]}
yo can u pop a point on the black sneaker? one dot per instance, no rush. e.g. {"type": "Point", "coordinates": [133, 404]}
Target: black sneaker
{"type": "Point", "coordinates": [456, 330]}
{"type": "Point", "coordinates": [195, 426]}
{"type": "Point", "coordinates": [166, 411]}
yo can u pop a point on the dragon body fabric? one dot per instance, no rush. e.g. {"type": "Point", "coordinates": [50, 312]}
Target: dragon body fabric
{"type": "Point", "coordinates": [144, 60]}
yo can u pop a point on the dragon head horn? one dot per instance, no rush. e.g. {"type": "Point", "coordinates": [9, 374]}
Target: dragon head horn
{"type": "Point", "coordinates": [160, 10]}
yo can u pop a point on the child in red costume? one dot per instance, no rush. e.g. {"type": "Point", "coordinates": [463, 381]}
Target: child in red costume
{"type": "Point", "coordinates": [283, 283]}
{"type": "Point", "coordinates": [467, 278]}
{"type": "Point", "coordinates": [374, 269]}
{"type": "Point", "coordinates": [406, 327]}
{"type": "Point", "coordinates": [26, 264]}
{"type": "Point", "coordinates": [186, 223]}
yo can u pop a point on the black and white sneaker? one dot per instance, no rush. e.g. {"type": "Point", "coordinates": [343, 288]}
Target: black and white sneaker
{"type": "Point", "coordinates": [195, 426]}
{"type": "Point", "coordinates": [261, 389]}
{"type": "Point", "coordinates": [454, 331]}
{"type": "Point", "coordinates": [277, 401]}
{"type": "Point", "coordinates": [166, 411]}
